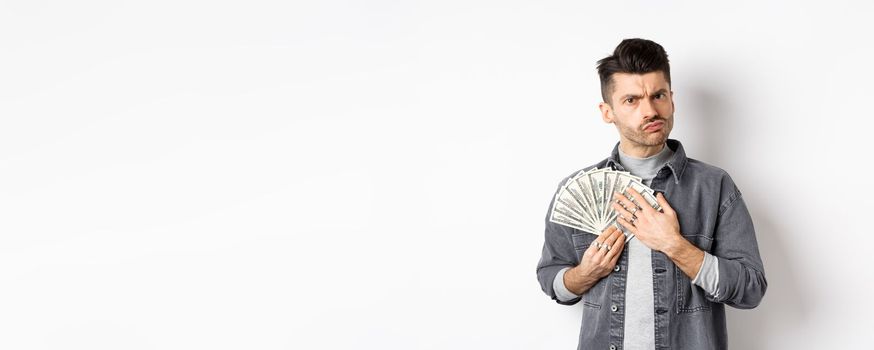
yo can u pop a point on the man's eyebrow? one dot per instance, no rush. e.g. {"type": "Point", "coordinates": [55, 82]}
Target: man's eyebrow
{"type": "Point", "coordinates": [659, 91]}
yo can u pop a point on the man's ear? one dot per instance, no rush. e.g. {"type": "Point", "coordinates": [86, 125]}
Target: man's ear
{"type": "Point", "coordinates": [606, 112]}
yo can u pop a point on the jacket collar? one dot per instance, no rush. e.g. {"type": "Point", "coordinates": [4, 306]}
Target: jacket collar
{"type": "Point", "coordinates": [677, 163]}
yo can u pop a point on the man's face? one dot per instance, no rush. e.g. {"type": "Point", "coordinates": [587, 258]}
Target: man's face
{"type": "Point", "coordinates": [642, 108]}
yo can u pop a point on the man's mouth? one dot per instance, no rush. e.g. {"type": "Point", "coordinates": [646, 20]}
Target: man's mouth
{"type": "Point", "coordinates": [654, 126]}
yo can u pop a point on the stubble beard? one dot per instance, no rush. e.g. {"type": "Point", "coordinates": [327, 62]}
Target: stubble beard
{"type": "Point", "coordinates": [642, 138]}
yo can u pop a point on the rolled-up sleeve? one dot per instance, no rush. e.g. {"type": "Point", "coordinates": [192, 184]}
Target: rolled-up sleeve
{"type": "Point", "coordinates": [558, 253]}
{"type": "Point", "coordinates": [708, 276]}
{"type": "Point", "coordinates": [742, 282]}
{"type": "Point", "coordinates": [561, 291]}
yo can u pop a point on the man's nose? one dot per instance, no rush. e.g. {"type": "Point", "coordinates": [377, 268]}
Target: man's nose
{"type": "Point", "coordinates": [647, 109]}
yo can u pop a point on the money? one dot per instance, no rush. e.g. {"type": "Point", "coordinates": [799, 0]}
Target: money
{"type": "Point", "coordinates": [584, 201]}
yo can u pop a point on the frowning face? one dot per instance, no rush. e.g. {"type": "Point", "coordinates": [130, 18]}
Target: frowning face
{"type": "Point", "coordinates": [642, 108]}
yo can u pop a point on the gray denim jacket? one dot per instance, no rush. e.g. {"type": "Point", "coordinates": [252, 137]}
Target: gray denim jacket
{"type": "Point", "coordinates": [713, 217]}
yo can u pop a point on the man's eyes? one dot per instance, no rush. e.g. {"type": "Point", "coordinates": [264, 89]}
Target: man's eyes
{"type": "Point", "coordinates": [657, 96]}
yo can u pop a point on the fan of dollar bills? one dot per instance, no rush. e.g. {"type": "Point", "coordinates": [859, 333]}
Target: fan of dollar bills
{"type": "Point", "coordinates": [584, 201]}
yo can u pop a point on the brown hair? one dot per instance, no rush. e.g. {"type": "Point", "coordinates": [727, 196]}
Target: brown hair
{"type": "Point", "coordinates": [635, 56]}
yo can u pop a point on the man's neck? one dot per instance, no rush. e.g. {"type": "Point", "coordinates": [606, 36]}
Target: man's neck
{"type": "Point", "coordinates": [646, 168]}
{"type": "Point", "coordinates": [640, 151]}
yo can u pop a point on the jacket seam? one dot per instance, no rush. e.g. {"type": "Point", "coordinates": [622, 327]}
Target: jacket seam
{"type": "Point", "coordinates": [732, 198]}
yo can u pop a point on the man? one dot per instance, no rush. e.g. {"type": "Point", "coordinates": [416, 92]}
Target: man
{"type": "Point", "coordinates": [667, 287]}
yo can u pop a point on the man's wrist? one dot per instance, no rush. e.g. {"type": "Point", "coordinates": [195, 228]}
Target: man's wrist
{"type": "Point", "coordinates": [569, 277]}
{"type": "Point", "coordinates": [686, 256]}
{"type": "Point", "coordinates": [678, 247]}
{"type": "Point", "coordinates": [576, 281]}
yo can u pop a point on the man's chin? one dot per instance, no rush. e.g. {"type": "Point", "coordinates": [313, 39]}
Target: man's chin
{"type": "Point", "coordinates": [653, 139]}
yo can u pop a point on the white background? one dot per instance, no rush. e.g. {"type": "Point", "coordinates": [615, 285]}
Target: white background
{"type": "Point", "coordinates": [375, 174]}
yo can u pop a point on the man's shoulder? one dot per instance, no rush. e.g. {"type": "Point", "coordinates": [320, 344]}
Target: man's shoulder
{"type": "Point", "coordinates": [711, 178]}
{"type": "Point", "coordinates": [705, 170]}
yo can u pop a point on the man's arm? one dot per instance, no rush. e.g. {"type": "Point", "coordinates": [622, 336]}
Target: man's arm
{"type": "Point", "coordinates": [741, 280]}
{"type": "Point", "coordinates": [701, 267]}
{"type": "Point", "coordinates": [659, 231]}
{"type": "Point", "coordinates": [559, 254]}
{"type": "Point", "coordinates": [685, 255]}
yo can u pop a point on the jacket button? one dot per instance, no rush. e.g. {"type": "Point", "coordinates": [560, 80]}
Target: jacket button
{"type": "Point", "coordinates": [612, 347]}
{"type": "Point", "coordinates": [614, 308]}
{"type": "Point", "coordinates": [617, 268]}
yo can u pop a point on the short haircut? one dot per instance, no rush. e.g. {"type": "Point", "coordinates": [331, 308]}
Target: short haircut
{"type": "Point", "coordinates": [634, 56]}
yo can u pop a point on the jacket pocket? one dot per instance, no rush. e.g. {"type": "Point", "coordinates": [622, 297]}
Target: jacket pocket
{"type": "Point", "coordinates": [581, 241]}
{"type": "Point", "coordinates": [597, 295]}
{"type": "Point", "coordinates": [690, 297]}
{"type": "Point", "coordinates": [589, 303]}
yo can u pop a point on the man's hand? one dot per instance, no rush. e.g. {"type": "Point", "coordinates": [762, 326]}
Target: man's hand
{"type": "Point", "coordinates": [598, 261]}
{"type": "Point", "coordinates": [659, 231]}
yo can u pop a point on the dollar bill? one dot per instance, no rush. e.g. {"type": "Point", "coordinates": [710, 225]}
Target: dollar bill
{"type": "Point", "coordinates": [585, 200]}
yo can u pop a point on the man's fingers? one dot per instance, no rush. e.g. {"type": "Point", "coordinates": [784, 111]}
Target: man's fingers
{"type": "Point", "coordinates": [602, 237]}
{"type": "Point", "coordinates": [604, 248]}
{"type": "Point", "coordinates": [616, 252]}
{"type": "Point", "coordinates": [618, 243]}
{"type": "Point", "coordinates": [592, 250]}
{"type": "Point", "coordinates": [627, 225]}
{"type": "Point", "coordinates": [638, 198]}
{"type": "Point", "coordinates": [622, 211]}
{"type": "Point", "coordinates": [598, 242]}
{"type": "Point", "coordinates": [624, 201]}
{"type": "Point", "coordinates": [616, 236]}
{"type": "Point", "coordinates": [608, 243]}
{"type": "Point", "coordinates": [606, 233]}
